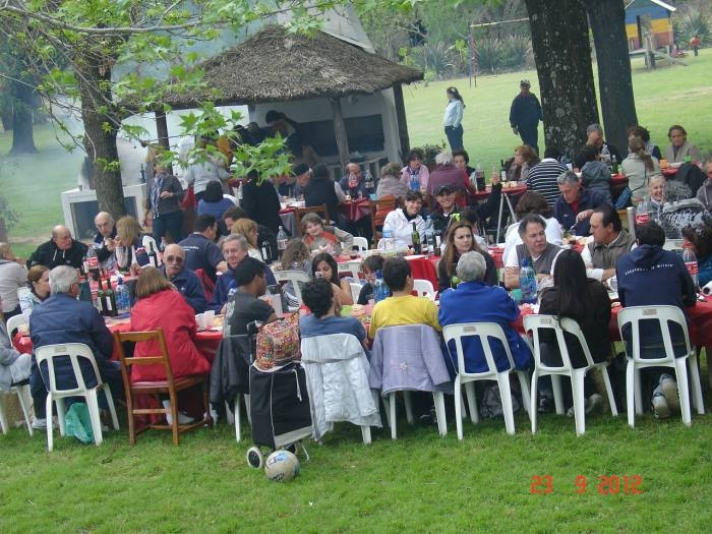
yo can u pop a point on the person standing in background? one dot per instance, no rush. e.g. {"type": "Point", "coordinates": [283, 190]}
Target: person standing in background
{"type": "Point", "coordinates": [524, 116]}
{"type": "Point", "coordinates": [695, 44]}
{"type": "Point", "coordinates": [452, 121]}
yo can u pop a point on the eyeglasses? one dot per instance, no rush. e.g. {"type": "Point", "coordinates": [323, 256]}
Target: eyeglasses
{"type": "Point", "coordinates": [174, 259]}
{"type": "Point", "coordinates": [63, 238]}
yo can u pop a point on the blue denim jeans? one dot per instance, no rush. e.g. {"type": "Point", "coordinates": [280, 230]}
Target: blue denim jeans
{"type": "Point", "coordinates": [454, 137]}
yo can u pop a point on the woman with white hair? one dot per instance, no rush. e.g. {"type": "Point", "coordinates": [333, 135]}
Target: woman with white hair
{"type": "Point", "coordinates": [13, 276]}
{"type": "Point", "coordinates": [493, 305]}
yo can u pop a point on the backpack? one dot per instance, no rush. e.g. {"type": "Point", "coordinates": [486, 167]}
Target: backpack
{"type": "Point", "coordinates": [278, 344]}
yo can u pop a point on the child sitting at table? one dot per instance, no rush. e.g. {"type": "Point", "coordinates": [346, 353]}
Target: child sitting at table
{"type": "Point", "coordinates": [369, 268]}
{"type": "Point", "coordinates": [324, 239]}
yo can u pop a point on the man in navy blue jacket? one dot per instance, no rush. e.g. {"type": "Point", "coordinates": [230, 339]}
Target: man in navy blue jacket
{"type": "Point", "coordinates": [185, 280]}
{"type": "Point", "coordinates": [573, 209]}
{"type": "Point", "coordinates": [651, 276]}
{"type": "Point", "coordinates": [64, 319]}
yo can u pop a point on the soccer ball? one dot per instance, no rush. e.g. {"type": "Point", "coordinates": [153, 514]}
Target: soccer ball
{"type": "Point", "coordinates": [281, 466]}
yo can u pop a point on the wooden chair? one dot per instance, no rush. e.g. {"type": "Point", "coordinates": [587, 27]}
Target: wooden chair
{"type": "Point", "coordinates": [321, 210]}
{"type": "Point", "coordinates": [170, 385]}
{"type": "Point", "coordinates": [379, 209]}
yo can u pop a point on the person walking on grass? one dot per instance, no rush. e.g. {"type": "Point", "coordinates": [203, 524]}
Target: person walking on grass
{"type": "Point", "coordinates": [452, 121]}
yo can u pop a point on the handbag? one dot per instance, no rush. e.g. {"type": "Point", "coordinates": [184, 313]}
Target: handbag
{"type": "Point", "coordinates": [189, 201]}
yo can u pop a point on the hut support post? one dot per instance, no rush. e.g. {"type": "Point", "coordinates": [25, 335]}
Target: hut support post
{"type": "Point", "coordinates": [162, 129]}
{"type": "Point", "coordinates": [342, 142]}
{"type": "Point", "coordinates": [402, 122]}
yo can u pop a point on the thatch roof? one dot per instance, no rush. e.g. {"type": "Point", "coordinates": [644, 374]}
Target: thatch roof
{"type": "Point", "coordinates": [276, 66]}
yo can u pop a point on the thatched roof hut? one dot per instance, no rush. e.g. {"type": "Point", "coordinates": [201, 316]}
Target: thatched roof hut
{"type": "Point", "coordinates": [277, 66]}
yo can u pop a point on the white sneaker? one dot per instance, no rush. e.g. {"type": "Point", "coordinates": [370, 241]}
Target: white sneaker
{"type": "Point", "coordinates": [669, 390]}
{"type": "Point", "coordinates": [182, 419]}
{"type": "Point", "coordinates": [39, 424]}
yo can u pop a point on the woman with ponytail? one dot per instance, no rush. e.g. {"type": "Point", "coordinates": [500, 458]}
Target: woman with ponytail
{"type": "Point", "coordinates": [639, 166]}
{"type": "Point", "coordinates": [452, 121]}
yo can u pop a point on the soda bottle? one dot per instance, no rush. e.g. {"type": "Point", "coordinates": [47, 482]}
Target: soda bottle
{"type": "Point", "coordinates": [368, 184]}
{"type": "Point", "coordinates": [480, 178]}
{"type": "Point", "coordinates": [92, 263]}
{"type": "Point", "coordinates": [266, 252]}
{"type": "Point", "coordinates": [281, 239]}
{"type": "Point", "coordinates": [642, 215]}
{"type": "Point", "coordinates": [688, 256]}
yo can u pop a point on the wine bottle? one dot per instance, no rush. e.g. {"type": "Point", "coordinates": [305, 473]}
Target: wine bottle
{"type": "Point", "coordinates": [415, 238]}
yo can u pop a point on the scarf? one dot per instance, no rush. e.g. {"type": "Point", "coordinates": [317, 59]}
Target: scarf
{"type": "Point", "coordinates": [156, 193]}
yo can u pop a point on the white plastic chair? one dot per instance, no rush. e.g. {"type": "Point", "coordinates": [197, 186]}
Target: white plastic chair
{"type": "Point", "coordinates": [536, 323]}
{"type": "Point", "coordinates": [294, 276]}
{"type": "Point", "coordinates": [336, 367]}
{"type": "Point", "coordinates": [418, 365]}
{"type": "Point", "coordinates": [25, 398]}
{"type": "Point", "coordinates": [355, 291]}
{"type": "Point", "coordinates": [665, 316]}
{"type": "Point", "coordinates": [74, 351]}
{"type": "Point", "coordinates": [487, 332]}
{"type": "Point", "coordinates": [361, 243]}
{"type": "Point", "coordinates": [352, 267]}
{"type": "Point", "coordinates": [14, 323]}
{"type": "Point", "coordinates": [424, 288]}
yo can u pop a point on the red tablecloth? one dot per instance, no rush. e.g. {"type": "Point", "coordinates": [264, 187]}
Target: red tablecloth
{"type": "Point", "coordinates": [207, 341]}
{"type": "Point", "coordinates": [355, 210]}
{"type": "Point", "coordinates": [424, 268]}
{"type": "Point", "coordinates": [700, 323]}
{"type": "Point", "coordinates": [619, 179]}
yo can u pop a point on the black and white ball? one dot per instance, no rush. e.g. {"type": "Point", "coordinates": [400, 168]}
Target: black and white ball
{"type": "Point", "coordinates": [281, 466]}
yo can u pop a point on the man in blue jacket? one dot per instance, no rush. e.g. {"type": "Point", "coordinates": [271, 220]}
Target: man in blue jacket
{"type": "Point", "coordinates": [185, 280]}
{"type": "Point", "coordinates": [64, 319]}
{"type": "Point", "coordinates": [525, 114]}
{"type": "Point", "coordinates": [492, 304]}
{"type": "Point", "coordinates": [573, 209]}
{"type": "Point", "coordinates": [651, 276]}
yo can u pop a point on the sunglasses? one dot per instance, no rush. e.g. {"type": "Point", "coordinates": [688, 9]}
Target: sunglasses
{"type": "Point", "coordinates": [174, 259]}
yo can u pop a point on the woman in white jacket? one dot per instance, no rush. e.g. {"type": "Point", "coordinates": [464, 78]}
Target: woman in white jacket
{"type": "Point", "coordinates": [400, 221]}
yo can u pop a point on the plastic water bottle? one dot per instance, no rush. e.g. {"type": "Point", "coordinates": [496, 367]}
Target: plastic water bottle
{"type": "Point", "coordinates": [239, 194]}
{"type": "Point", "coordinates": [429, 232]}
{"type": "Point", "coordinates": [606, 155]}
{"type": "Point", "coordinates": [368, 183]}
{"type": "Point", "coordinates": [380, 289]}
{"type": "Point", "coordinates": [281, 239]}
{"type": "Point", "coordinates": [388, 243]}
{"type": "Point", "coordinates": [122, 297]}
{"type": "Point", "coordinates": [527, 282]}
{"type": "Point", "coordinates": [688, 256]}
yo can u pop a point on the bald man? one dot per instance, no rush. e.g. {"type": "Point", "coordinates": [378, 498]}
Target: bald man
{"type": "Point", "coordinates": [185, 280]}
{"type": "Point", "coordinates": [60, 250]}
{"type": "Point", "coordinates": [104, 238]}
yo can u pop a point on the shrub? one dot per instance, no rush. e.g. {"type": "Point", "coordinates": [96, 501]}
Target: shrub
{"type": "Point", "coordinates": [436, 57]}
{"type": "Point", "coordinates": [489, 54]}
{"type": "Point", "coordinates": [517, 52]}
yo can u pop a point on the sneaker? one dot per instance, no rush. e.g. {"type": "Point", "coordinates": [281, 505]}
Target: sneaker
{"type": "Point", "coordinates": [669, 390]}
{"type": "Point", "coordinates": [661, 410]}
{"type": "Point", "coordinates": [39, 424]}
{"type": "Point", "coordinates": [429, 417]}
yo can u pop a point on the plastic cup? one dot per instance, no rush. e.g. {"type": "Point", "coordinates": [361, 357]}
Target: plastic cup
{"type": "Point", "coordinates": [209, 317]}
{"type": "Point", "coordinates": [200, 321]}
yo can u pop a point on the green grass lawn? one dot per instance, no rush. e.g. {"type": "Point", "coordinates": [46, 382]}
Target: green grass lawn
{"type": "Point", "coordinates": [419, 483]}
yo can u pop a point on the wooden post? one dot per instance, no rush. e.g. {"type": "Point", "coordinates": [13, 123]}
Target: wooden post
{"type": "Point", "coordinates": [162, 129]}
{"type": "Point", "coordinates": [342, 141]}
{"type": "Point", "coordinates": [402, 122]}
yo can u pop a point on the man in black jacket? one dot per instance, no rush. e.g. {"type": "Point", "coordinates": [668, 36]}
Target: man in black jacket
{"type": "Point", "coordinates": [524, 116]}
{"type": "Point", "coordinates": [60, 250]}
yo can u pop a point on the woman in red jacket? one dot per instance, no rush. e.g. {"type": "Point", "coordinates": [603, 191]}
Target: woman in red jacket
{"type": "Point", "coordinates": [161, 306]}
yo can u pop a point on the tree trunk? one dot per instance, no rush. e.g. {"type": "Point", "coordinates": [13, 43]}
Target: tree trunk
{"type": "Point", "coordinates": [100, 129]}
{"type": "Point", "coordinates": [607, 19]}
{"type": "Point", "coordinates": [563, 58]}
{"type": "Point", "coordinates": [23, 141]}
